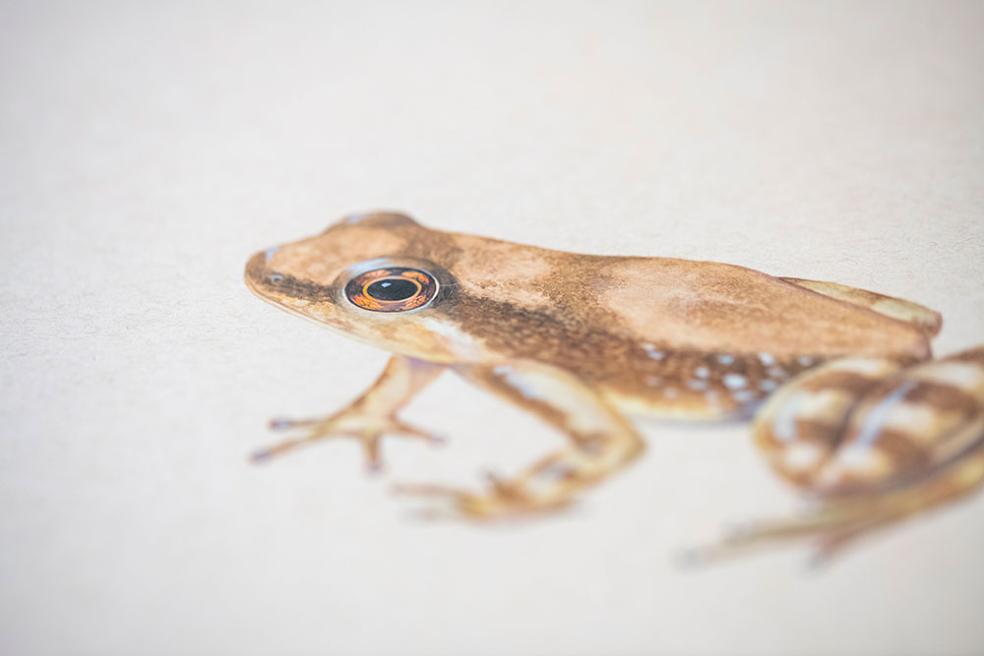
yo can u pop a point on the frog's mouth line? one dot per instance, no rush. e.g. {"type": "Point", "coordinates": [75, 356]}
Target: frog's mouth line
{"type": "Point", "coordinates": [280, 305]}
{"type": "Point", "coordinates": [257, 289]}
{"type": "Point", "coordinates": [259, 276]}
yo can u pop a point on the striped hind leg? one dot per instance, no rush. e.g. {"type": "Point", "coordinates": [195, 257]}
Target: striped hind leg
{"type": "Point", "coordinates": [835, 525]}
{"type": "Point", "coordinates": [960, 479]}
{"type": "Point", "coordinates": [874, 443]}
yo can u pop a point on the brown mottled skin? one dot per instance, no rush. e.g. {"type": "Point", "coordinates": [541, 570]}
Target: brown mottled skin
{"type": "Point", "coordinates": [657, 335]}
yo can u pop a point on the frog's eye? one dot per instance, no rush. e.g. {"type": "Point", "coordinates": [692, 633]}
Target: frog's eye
{"type": "Point", "coordinates": [391, 289]}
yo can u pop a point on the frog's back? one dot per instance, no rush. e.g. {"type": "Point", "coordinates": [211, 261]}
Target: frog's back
{"type": "Point", "coordinates": [659, 334]}
{"type": "Point", "coordinates": [710, 306]}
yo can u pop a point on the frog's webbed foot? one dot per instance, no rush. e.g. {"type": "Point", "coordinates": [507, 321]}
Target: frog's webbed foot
{"type": "Point", "coordinates": [828, 530]}
{"type": "Point", "coordinates": [352, 423]}
{"type": "Point", "coordinates": [835, 525]}
{"type": "Point", "coordinates": [502, 499]}
{"type": "Point", "coordinates": [602, 441]}
{"type": "Point", "coordinates": [545, 486]}
{"type": "Point", "coordinates": [368, 418]}
{"type": "Point", "coordinates": [874, 442]}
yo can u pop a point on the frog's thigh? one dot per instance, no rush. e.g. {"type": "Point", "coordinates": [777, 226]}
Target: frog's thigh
{"type": "Point", "coordinates": [877, 443]}
{"type": "Point", "coordinates": [913, 427]}
{"type": "Point", "coordinates": [800, 427]}
{"type": "Point", "coordinates": [602, 438]}
{"type": "Point", "coordinates": [864, 425]}
{"type": "Point", "coordinates": [927, 320]}
{"type": "Point", "coordinates": [861, 424]}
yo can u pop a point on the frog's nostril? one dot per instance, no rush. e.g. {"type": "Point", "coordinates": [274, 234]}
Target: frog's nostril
{"type": "Point", "coordinates": [258, 268]}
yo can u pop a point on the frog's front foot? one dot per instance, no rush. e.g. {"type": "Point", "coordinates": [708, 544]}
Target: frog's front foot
{"type": "Point", "coordinates": [367, 418]}
{"type": "Point", "coordinates": [354, 423]}
{"type": "Point", "coordinates": [501, 499]}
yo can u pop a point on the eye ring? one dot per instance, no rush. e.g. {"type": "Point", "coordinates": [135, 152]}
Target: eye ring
{"type": "Point", "coordinates": [391, 289]}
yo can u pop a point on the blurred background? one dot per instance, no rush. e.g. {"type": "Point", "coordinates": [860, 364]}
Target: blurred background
{"type": "Point", "coordinates": [149, 148]}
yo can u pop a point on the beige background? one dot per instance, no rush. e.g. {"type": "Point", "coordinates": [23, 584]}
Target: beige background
{"type": "Point", "coordinates": [147, 150]}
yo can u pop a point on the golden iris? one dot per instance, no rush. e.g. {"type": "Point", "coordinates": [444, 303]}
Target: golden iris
{"type": "Point", "coordinates": [391, 289]}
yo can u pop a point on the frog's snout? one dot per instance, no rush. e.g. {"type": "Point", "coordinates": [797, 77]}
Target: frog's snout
{"type": "Point", "coordinates": [255, 270]}
{"type": "Point", "coordinates": [258, 270]}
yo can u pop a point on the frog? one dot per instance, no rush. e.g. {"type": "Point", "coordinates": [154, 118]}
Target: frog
{"type": "Point", "coordinates": [846, 401]}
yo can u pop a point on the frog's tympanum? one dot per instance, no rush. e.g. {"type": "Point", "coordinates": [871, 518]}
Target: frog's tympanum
{"type": "Point", "coordinates": [848, 404]}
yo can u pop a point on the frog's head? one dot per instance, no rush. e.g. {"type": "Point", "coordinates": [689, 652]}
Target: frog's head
{"type": "Point", "coordinates": [370, 276]}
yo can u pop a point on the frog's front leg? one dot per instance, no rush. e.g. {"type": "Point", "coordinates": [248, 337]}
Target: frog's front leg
{"type": "Point", "coordinates": [602, 441]}
{"type": "Point", "coordinates": [370, 416]}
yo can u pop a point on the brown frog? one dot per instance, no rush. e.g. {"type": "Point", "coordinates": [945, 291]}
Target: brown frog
{"type": "Point", "coordinates": [858, 414]}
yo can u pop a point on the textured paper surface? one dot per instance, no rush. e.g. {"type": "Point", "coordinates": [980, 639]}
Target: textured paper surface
{"type": "Point", "coordinates": [149, 148]}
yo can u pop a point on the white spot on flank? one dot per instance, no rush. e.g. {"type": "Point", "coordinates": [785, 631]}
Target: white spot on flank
{"type": "Point", "coordinates": [767, 359]}
{"type": "Point", "coordinates": [653, 352]}
{"type": "Point", "coordinates": [744, 396]}
{"type": "Point", "coordinates": [697, 384]}
{"type": "Point", "coordinates": [777, 372]}
{"type": "Point", "coordinates": [767, 385]}
{"type": "Point", "coordinates": [806, 360]}
{"type": "Point", "coordinates": [724, 358]}
{"type": "Point", "coordinates": [702, 372]}
{"type": "Point", "coordinates": [735, 381]}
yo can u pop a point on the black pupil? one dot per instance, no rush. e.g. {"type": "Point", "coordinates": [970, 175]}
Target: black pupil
{"type": "Point", "coordinates": [392, 289]}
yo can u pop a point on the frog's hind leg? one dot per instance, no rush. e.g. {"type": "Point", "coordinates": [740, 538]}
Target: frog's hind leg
{"type": "Point", "coordinates": [602, 441]}
{"type": "Point", "coordinates": [835, 525]}
{"type": "Point", "coordinates": [927, 320]}
{"type": "Point", "coordinates": [949, 484]}
{"type": "Point", "coordinates": [874, 443]}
